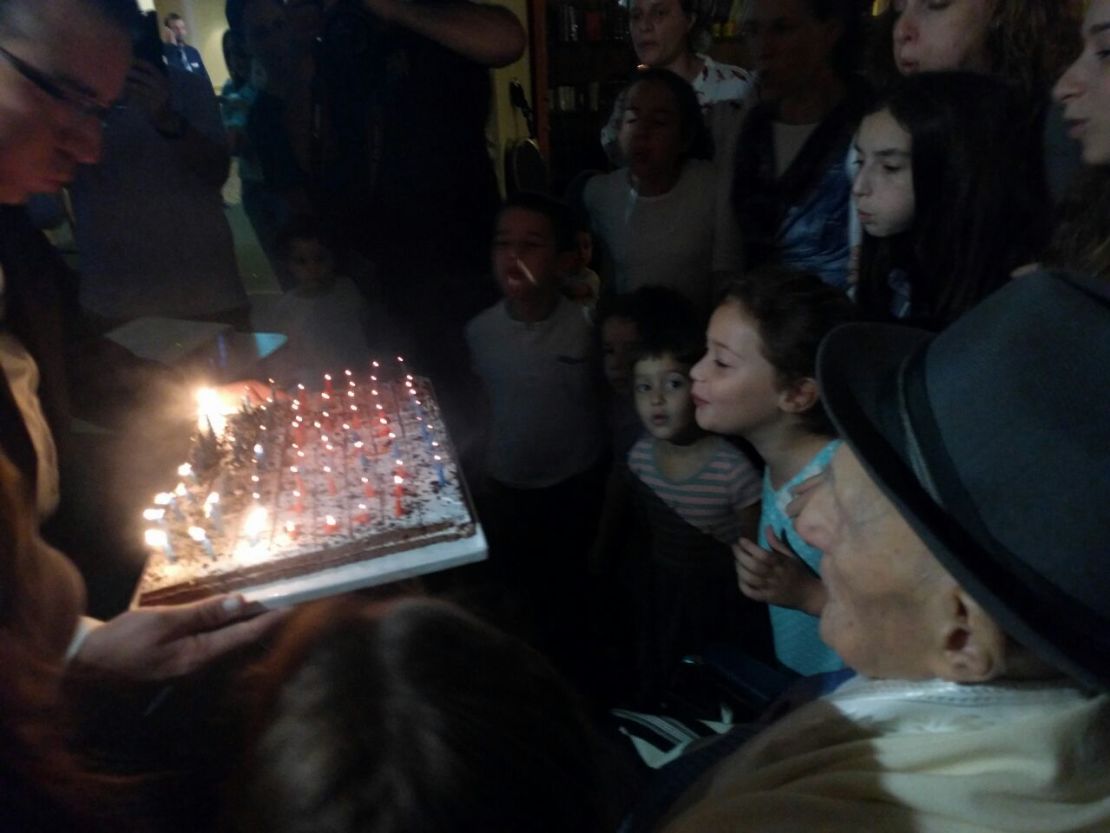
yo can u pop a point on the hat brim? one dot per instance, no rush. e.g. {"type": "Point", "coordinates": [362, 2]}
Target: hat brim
{"type": "Point", "coordinates": [858, 366]}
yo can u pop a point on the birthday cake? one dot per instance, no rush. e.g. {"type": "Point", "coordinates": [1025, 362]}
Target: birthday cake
{"type": "Point", "coordinates": [304, 494]}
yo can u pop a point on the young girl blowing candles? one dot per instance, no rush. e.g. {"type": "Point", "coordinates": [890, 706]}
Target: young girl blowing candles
{"type": "Point", "coordinates": [757, 381]}
{"type": "Point", "coordinates": [698, 494]}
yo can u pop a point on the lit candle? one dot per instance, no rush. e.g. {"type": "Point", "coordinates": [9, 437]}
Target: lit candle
{"type": "Point", "coordinates": [212, 511]}
{"type": "Point", "coordinates": [185, 471]}
{"type": "Point", "coordinates": [330, 525]}
{"type": "Point", "coordinates": [292, 530]}
{"type": "Point", "coordinates": [167, 499]}
{"type": "Point", "coordinates": [327, 383]}
{"type": "Point", "coordinates": [158, 540]}
{"type": "Point", "coordinates": [398, 492]}
{"type": "Point", "coordinates": [211, 413]}
{"type": "Point", "coordinates": [201, 537]}
{"type": "Point", "coordinates": [439, 470]}
{"type": "Point", "coordinates": [255, 524]}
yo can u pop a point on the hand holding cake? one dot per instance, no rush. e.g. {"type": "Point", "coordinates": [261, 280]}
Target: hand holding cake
{"type": "Point", "coordinates": [162, 643]}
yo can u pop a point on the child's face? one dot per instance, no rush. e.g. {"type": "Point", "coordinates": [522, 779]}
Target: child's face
{"type": "Point", "coordinates": [735, 389]}
{"type": "Point", "coordinates": [651, 137]}
{"type": "Point", "coordinates": [524, 245]}
{"type": "Point", "coordinates": [310, 264]}
{"type": "Point", "coordinates": [661, 386]}
{"type": "Point", "coordinates": [883, 185]}
{"type": "Point", "coordinates": [620, 341]}
{"type": "Point", "coordinates": [583, 249]}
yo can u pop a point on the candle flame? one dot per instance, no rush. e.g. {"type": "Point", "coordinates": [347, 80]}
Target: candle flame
{"type": "Point", "coordinates": [255, 522]}
{"type": "Point", "coordinates": [153, 514]}
{"type": "Point", "coordinates": [184, 470]}
{"type": "Point", "coordinates": [212, 411]}
{"type": "Point", "coordinates": [156, 539]}
{"type": "Point", "coordinates": [197, 534]}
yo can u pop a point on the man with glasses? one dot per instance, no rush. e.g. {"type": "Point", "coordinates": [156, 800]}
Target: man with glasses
{"type": "Point", "coordinates": [62, 65]}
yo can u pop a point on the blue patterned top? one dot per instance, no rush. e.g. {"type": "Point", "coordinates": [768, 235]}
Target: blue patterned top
{"type": "Point", "coordinates": [798, 644]}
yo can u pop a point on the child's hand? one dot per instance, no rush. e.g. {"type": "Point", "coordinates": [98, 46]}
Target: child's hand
{"type": "Point", "coordinates": [777, 576]}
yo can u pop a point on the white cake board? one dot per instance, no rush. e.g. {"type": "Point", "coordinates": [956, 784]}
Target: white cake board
{"type": "Point", "coordinates": [381, 570]}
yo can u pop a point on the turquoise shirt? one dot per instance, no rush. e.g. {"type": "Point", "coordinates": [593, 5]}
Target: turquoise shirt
{"type": "Point", "coordinates": [798, 643]}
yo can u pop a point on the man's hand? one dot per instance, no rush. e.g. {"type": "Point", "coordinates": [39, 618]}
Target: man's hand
{"type": "Point", "coordinates": [777, 576]}
{"type": "Point", "coordinates": [489, 35]}
{"type": "Point", "coordinates": [161, 643]}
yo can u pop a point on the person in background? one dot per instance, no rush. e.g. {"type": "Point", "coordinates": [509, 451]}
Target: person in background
{"type": "Point", "coordinates": [696, 494]}
{"type": "Point", "coordinates": [664, 218]}
{"type": "Point", "coordinates": [756, 380]}
{"type": "Point", "coordinates": [790, 186]}
{"type": "Point", "coordinates": [580, 282]}
{"type": "Point", "coordinates": [945, 197]}
{"type": "Point", "coordinates": [535, 355]}
{"type": "Point", "coordinates": [1082, 240]}
{"type": "Point", "coordinates": [178, 53]}
{"type": "Point", "coordinates": [411, 716]}
{"type": "Point", "coordinates": [329, 323]}
{"type": "Point", "coordinates": [152, 236]}
{"type": "Point", "coordinates": [1025, 42]}
{"type": "Point", "coordinates": [674, 35]}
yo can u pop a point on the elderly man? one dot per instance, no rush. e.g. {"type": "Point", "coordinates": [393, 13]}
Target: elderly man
{"type": "Point", "coordinates": [62, 66]}
{"type": "Point", "coordinates": [965, 534]}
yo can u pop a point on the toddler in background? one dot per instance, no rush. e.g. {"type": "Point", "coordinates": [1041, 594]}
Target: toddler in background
{"type": "Point", "coordinates": [535, 354]}
{"type": "Point", "coordinates": [580, 282]}
{"type": "Point", "coordinates": [757, 380]}
{"type": "Point", "coordinates": [329, 324]}
{"type": "Point", "coordinates": [697, 494]}
{"type": "Point", "coordinates": [948, 199]}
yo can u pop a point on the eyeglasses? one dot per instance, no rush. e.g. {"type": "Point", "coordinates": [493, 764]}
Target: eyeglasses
{"type": "Point", "coordinates": [83, 104]}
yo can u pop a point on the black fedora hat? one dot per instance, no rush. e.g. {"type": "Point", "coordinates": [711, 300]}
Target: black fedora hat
{"type": "Point", "coordinates": [992, 439]}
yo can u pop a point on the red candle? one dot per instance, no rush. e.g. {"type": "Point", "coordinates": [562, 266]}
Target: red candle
{"type": "Point", "coordinates": [398, 492]}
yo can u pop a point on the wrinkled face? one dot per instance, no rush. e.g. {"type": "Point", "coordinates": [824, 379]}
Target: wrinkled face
{"type": "Point", "coordinates": [525, 260]}
{"type": "Point", "coordinates": [883, 585]}
{"type": "Point", "coordinates": [660, 30]}
{"type": "Point", "coordinates": [1084, 89]}
{"type": "Point", "coordinates": [45, 134]}
{"type": "Point", "coordinates": [883, 185]}
{"type": "Point", "coordinates": [310, 264]}
{"type": "Point", "coordinates": [620, 342]}
{"type": "Point", "coordinates": [789, 45]}
{"type": "Point", "coordinates": [735, 388]}
{"type": "Point", "coordinates": [651, 139]}
{"type": "Point", "coordinates": [933, 35]}
{"type": "Point", "coordinates": [178, 30]}
{"type": "Point", "coordinates": [661, 386]}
